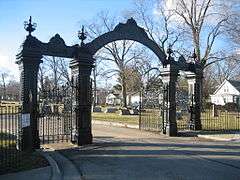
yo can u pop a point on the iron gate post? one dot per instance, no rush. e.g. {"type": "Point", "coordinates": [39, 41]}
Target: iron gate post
{"type": "Point", "coordinates": [191, 79]}
{"type": "Point", "coordinates": [198, 98]}
{"type": "Point", "coordinates": [28, 60]}
{"type": "Point", "coordinates": [169, 75]}
{"type": "Point", "coordinates": [81, 68]}
{"type": "Point", "coordinates": [195, 89]}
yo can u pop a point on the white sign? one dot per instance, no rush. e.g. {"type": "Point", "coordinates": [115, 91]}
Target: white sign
{"type": "Point", "coordinates": [25, 120]}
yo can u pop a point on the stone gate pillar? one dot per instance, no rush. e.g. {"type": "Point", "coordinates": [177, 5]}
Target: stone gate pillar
{"type": "Point", "coordinates": [81, 68]}
{"type": "Point", "coordinates": [28, 60]}
{"type": "Point", "coordinates": [169, 77]}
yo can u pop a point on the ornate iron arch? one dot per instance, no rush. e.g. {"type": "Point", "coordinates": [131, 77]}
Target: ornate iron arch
{"type": "Point", "coordinates": [126, 31]}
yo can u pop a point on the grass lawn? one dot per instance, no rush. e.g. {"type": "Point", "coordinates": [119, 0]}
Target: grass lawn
{"type": "Point", "coordinates": [225, 121]}
{"type": "Point", "coordinates": [13, 160]}
{"type": "Point", "coordinates": [115, 117]}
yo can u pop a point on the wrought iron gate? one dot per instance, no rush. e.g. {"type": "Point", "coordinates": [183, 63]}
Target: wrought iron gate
{"type": "Point", "coordinates": [185, 106]}
{"type": "Point", "coordinates": [155, 110]}
{"type": "Point", "coordinates": [55, 122]}
{"type": "Point", "coordinates": [150, 112]}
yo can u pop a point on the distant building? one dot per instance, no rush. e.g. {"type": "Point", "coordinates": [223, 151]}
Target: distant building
{"type": "Point", "coordinates": [113, 99]}
{"type": "Point", "coordinates": [227, 92]}
{"type": "Point", "coordinates": [133, 99]}
{"type": "Point", "coordinates": [101, 95]}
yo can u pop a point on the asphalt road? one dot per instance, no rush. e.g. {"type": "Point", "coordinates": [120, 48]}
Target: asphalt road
{"type": "Point", "coordinates": [122, 154]}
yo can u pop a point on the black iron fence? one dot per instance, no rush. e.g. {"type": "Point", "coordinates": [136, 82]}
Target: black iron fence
{"type": "Point", "coordinates": [220, 118]}
{"type": "Point", "coordinates": [150, 120]}
{"type": "Point", "coordinates": [10, 135]}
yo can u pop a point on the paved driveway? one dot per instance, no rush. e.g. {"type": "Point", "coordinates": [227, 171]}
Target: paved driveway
{"type": "Point", "coordinates": [120, 153]}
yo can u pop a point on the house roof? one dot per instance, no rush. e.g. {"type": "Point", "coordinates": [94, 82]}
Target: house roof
{"type": "Point", "coordinates": [234, 83]}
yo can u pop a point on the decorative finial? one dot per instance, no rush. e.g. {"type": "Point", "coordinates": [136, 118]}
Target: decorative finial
{"type": "Point", "coordinates": [194, 55]}
{"type": "Point", "coordinates": [82, 35]}
{"type": "Point", "coordinates": [169, 51]}
{"type": "Point", "coordinates": [29, 26]}
{"type": "Point", "coordinates": [131, 21]}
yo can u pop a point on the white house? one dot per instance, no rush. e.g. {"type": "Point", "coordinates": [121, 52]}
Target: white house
{"type": "Point", "coordinates": [116, 99]}
{"type": "Point", "coordinates": [227, 92]}
{"type": "Point", "coordinates": [133, 99]}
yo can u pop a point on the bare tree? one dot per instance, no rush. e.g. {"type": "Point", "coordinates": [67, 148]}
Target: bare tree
{"type": "Point", "coordinates": [56, 69]}
{"type": "Point", "coordinates": [157, 22]}
{"type": "Point", "coordinates": [118, 54]}
{"type": "Point", "coordinates": [226, 69]}
{"type": "Point", "coordinates": [3, 76]}
{"type": "Point", "coordinates": [205, 20]}
{"type": "Point", "coordinates": [233, 24]}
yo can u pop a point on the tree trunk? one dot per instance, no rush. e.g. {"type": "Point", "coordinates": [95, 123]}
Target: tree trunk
{"type": "Point", "coordinates": [95, 88]}
{"type": "Point", "coordinates": [55, 73]}
{"type": "Point", "coordinates": [124, 92]}
{"type": "Point", "coordinates": [4, 88]}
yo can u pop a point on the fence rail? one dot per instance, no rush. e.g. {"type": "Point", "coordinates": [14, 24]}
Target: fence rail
{"type": "Point", "coordinates": [10, 133]}
{"type": "Point", "coordinates": [55, 127]}
{"type": "Point", "coordinates": [222, 121]}
{"type": "Point", "coordinates": [150, 120]}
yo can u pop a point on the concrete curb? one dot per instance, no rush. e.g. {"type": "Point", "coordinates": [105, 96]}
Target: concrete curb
{"type": "Point", "coordinates": [62, 168]}
{"type": "Point", "coordinates": [216, 138]}
{"type": "Point", "coordinates": [116, 124]}
{"type": "Point", "coordinates": [68, 169]}
{"type": "Point", "coordinates": [55, 170]}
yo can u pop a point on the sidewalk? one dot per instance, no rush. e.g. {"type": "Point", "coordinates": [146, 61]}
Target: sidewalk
{"type": "Point", "coordinates": [35, 174]}
{"type": "Point", "coordinates": [221, 137]}
{"type": "Point", "coordinates": [206, 135]}
{"type": "Point", "coordinates": [60, 169]}
{"type": "Point", "coordinates": [116, 124]}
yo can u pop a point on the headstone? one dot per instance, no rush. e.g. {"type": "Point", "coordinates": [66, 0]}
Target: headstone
{"type": "Point", "coordinates": [111, 110]}
{"type": "Point", "coordinates": [143, 110]}
{"type": "Point", "coordinates": [96, 109]}
{"type": "Point", "coordinates": [134, 112]}
{"type": "Point", "coordinates": [124, 112]}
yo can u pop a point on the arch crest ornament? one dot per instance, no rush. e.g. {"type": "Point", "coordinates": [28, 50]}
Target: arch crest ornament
{"type": "Point", "coordinates": [126, 31]}
{"type": "Point", "coordinates": [56, 45]}
{"type": "Point", "coordinates": [57, 41]}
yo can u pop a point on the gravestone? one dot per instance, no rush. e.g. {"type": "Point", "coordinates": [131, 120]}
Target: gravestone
{"type": "Point", "coordinates": [97, 109]}
{"type": "Point", "coordinates": [111, 110]}
{"type": "Point", "coordinates": [134, 112]}
{"type": "Point", "coordinates": [124, 112]}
